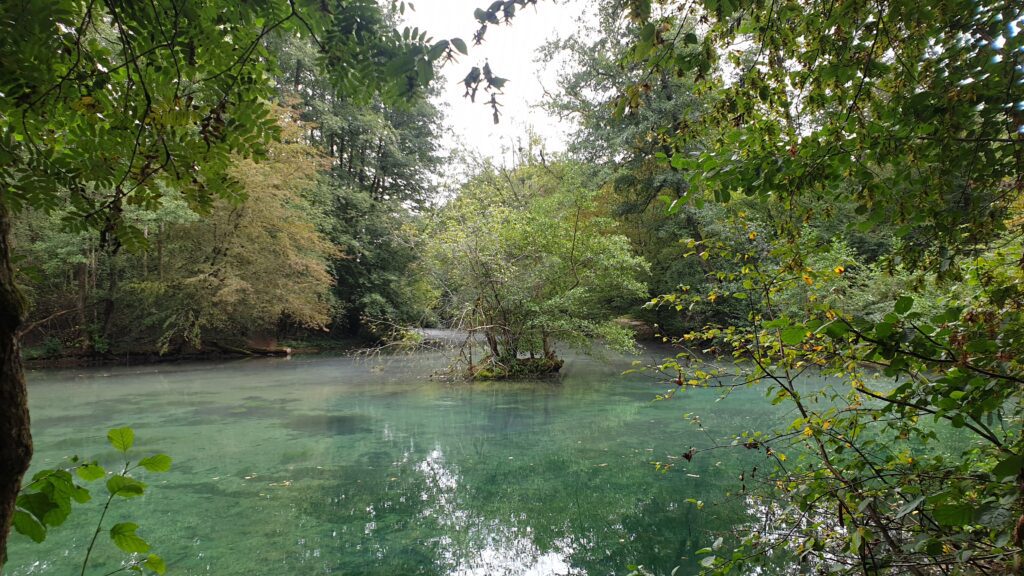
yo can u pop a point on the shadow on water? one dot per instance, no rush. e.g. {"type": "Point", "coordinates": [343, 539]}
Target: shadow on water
{"type": "Point", "coordinates": [330, 424]}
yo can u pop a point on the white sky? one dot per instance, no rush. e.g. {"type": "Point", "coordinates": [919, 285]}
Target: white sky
{"type": "Point", "coordinates": [511, 51]}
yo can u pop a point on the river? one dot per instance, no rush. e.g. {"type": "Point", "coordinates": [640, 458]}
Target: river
{"type": "Point", "coordinates": [339, 465]}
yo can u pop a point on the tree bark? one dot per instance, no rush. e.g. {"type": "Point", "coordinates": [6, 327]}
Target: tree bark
{"type": "Point", "coordinates": [15, 436]}
{"type": "Point", "coordinates": [82, 271]}
{"type": "Point", "coordinates": [549, 352]}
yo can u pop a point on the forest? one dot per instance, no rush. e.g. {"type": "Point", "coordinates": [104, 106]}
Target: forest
{"type": "Point", "coordinates": [821, 201]}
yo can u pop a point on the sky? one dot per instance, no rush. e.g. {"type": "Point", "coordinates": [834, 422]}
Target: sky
{"type": "Point", "coordinates": [511, 52]}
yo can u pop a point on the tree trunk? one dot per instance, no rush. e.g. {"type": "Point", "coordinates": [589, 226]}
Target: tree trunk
{"type": "Point", "coordinates": [492, 343]}
{"type": "Point", "coordinates": [15, 436]}
{"type": "Point", "coordinates": [109, 302]}
{"type": "Point", "coordinates": [160, 252]}
{"type": "Point", "coordinates": [82, 271]}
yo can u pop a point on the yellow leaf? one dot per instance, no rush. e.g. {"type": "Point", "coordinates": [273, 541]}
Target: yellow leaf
{"type": "Point", "coordinates": [808, 280]}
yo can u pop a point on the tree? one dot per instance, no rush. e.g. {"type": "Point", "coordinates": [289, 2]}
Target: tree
{"type": "Point", "coordinates": [521, 258]}
{"type": "Point", "coordinates": [909, 114]}
{"type": "Point", "coordinates": [225, 280]}
{"type": "Point", "coordinates": [251, 266]}
{"type": "Point", "coordinates": [111, 104]}
{"type": "Point", "coordinates": [383, 161]}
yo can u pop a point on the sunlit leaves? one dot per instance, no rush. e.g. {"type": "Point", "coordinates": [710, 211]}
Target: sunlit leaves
{"type": "Point", "coordinates": [125, 486]}
{"type": "Point", "coordinates": [535, 264]}
{"type": "Point", "coordinates": [46, 501]}
{"type": "Point", "coordinates": [172, 125]}
{"type": "Point", "coordinates": [125, 538]}
{"type": "Point", "coordinates": [121, 438]}
{"type": "Point", "coordinates": [793, 335]}
{"type": "Point", "coordinates": [90, 472]}
{"type": "Point", "coordinates": [156, 463]}
{"type": "Point", "coordinates": [156, 564]}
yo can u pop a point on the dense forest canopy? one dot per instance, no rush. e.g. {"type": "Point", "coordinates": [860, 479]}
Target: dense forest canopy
{"type": "Point", "coordinates": [778, 189]}
{"type": "Point", "coordinates": [128, 132]}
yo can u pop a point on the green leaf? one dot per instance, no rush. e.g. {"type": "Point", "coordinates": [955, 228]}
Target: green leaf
{"type": "Point", "coordinates": [883, 329]}
{"type": "Point", "coordinates": [460, 45]}
{"type": "Point", "coordinates": [125, 487]}
{"type": "Point", "coordinates": [856, 539]}
{"type": "Point", "coordinates": [794, 335]}
{"type": "Point", "coordinates": [90, 472]}
{"type": "Point", "coordinates": [1009, 467]}
{"type": "Point", "coordinates": [438, 50]}
{"type": "Point", "coordinates": [80, 494]}
{"type": "Point", "coordinates": [39, 504]}
{"type": "Point", "coordinates": [121, 438]}
{"type": "Point", "coordinates": [954, 515]}
{"type": "Point", "coordinates": [124, 537]}
{"type": "Point", "coordinates": [910, 507]}
{"type": "Point", "coordinates": [903, 305]}
{"type": "Point", "coordinates": [424, 72]}
{"type": "Point", "coordinates": [27, 524]}
{"type": "Point", "coordinates": [709, 561]}
{"type": "Point", "coordinates": [155, 563]}
{"type": "Point", "coordinates": [156, 463]}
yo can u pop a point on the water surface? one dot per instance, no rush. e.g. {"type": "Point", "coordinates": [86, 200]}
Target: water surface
{"type": "Point", "coordinates": [347, 466]}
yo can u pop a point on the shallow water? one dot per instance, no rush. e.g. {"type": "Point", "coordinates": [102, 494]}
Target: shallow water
{"type": "Point", "coordinates": [346, 466]}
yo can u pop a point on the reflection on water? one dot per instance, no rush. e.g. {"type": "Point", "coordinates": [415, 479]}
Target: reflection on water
{"type": "Point", "coordinates": [482, 547]}
{"type": "Point", "coordinates": [338, 466]}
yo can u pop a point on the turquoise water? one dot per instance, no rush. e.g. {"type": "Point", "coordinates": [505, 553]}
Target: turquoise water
{"type": "Point", "coordinates": [347, 466]}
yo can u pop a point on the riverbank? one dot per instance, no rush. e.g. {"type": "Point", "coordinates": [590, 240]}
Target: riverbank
{"type": "Point", "coordinates": [39, 358]}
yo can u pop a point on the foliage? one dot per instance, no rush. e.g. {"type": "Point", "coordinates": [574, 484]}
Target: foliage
{"type": "Point", "coordinates": [250, 266]}
{"type": "Point", "coordinates": [168, 93]}
{"type": "Point", "coordinates": [237, 273]}
{"type": "Point", "coordinates": [903, 118]}
{"type": "Point", "coordinates": [106, 107]}
{"type": "Point", "coordinates": [382, 163]}
{"type": "Point", "coordinates": [47, 500]}
{"type": "Point", "coordinates": [522, 258]}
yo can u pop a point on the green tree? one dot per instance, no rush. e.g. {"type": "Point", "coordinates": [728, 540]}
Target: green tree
{"type": "Point", "coordinates": [237, 274]}
{"type": "Point", "coordinates": [383, 162]}
{"type": "Point", "coordinates": [107, 105]}
{"type": "Point", "coordinates": [522, 258]}
{"type": "Point", "coordinates": [908, 113]}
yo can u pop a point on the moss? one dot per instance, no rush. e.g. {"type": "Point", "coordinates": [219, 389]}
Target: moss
{"type": "Point", "coordinates": [517, 368]}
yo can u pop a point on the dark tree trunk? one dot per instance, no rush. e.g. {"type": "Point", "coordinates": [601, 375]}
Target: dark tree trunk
{"type": "Point", "coordinates": [15, 436]}
{"type": "Point", "coordinates": [109, 303]}
{"type": "Point", "coordinates": [492, 343]}
{"type": "Point", "coordinates": [82, 271]}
